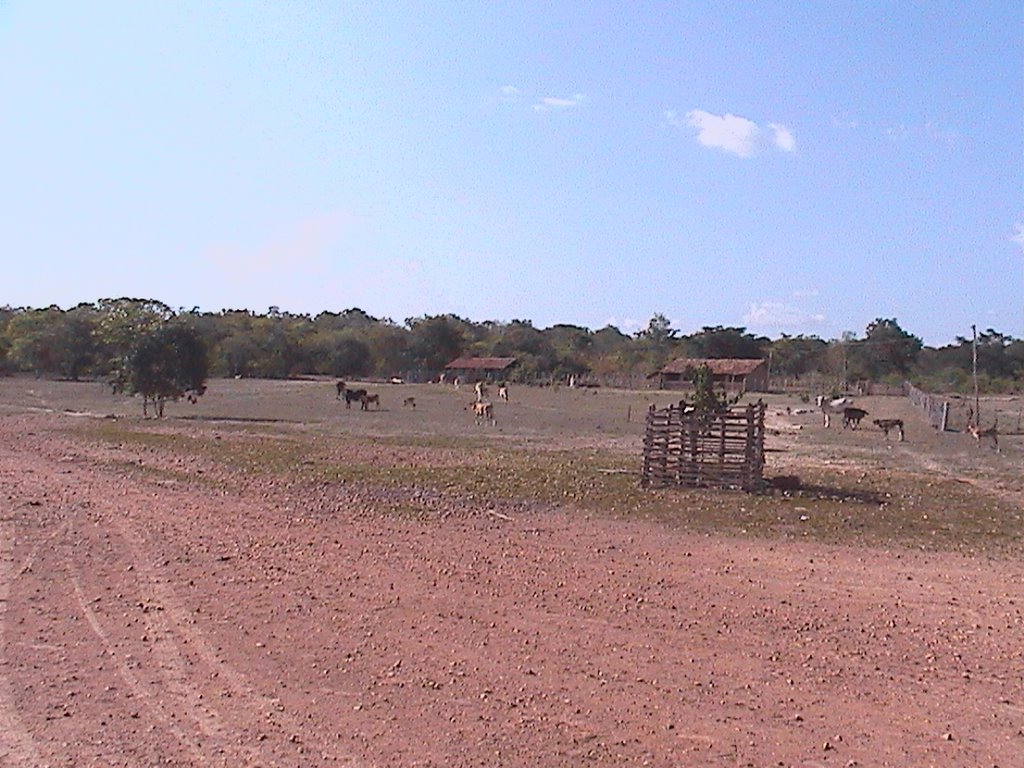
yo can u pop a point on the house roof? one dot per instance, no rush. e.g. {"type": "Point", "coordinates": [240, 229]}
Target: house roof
{"type": "Point", "coordinates": [717, 366]}
{"type": "Point", "coordinates": [481, 363]}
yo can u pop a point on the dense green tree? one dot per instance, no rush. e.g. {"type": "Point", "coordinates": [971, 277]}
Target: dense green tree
{"type": "Point", "coordinates": [121, 323]}
{"type": "Point", "coordinates": [434, 341]}
{"type": "Point", "coordinates": [53, 342]}
{"type": "Point", "coordinates": [659, 331]}
{"type": "Point", "coordinates": [657, 343]}
{"type": "Point", "coordinates": [347, 355]}
{"type": "Point", "coordinates": [719, 342]}
{"type": "Point", "coordinates": [348, 320]}
{"type": "Point", "coordinates": [797, 355]}
{"type": "Point", "coordinates": [167, 363]}
{"type": "Point", "coordinates": [389, 349]}
{"type": "Point", "coordinates": [886, 350]}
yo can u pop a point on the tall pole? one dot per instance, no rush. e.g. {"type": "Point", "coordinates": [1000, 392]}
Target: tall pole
{"type": "Point", "coordinates": [974, 374]}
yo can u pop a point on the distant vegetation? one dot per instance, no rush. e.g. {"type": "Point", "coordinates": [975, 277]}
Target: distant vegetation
{"type": "Point", "coordinates": [99, 339]}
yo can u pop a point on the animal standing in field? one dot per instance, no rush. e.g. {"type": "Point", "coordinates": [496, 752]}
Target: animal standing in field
{"type": "Point", "coordinates": [481, 391]}
{"type": "Point", "coordinates": [990, 433]}
{"type": "Point", "coordinates": [852, 417]}
{"type": "Point", "coordinates": [365, 400]}
{"type": "Point", "coordinates": [409, 402]}
{"type": "Point", "coordinates": [887, 425]}
{"type": "Point", "coordinates": [482, 411]}
{"type": "Point", "coordinates": [503, 391]}
{"type": "Point", "coordinates": [354, 396]}
{"type": "Point", "coordinates": [341, 389]}
{"type": "Point", "coordinates": [829, 407]}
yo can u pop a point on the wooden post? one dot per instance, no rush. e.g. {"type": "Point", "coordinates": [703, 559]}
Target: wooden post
{"type": "Point", "coordinates": [974, 371]}
{"type": "Point", "coordinates": [748, 457]}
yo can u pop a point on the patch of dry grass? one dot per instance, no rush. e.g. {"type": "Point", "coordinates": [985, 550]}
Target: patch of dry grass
{"type": "Point", "coordinates": [834, 504]}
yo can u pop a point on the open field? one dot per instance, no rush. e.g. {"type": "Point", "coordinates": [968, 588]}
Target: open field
{"type": "Point", "coordinates": [268, 578]}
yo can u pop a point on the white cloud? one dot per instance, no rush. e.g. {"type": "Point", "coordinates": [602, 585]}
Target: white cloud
{"type": "Point", "coordinates": [553, 102]}
{"type": "Point", "coordinates": [732, 133]}
{"type": "Point", "coordinates": [727, 132]}
{"type": "Point", "coordinates": [509, 93]}
{"type": "Point", "coordinates": [769, 315]}
{"type": "Point", "coordinates": [783, 137]}
{"type": "Point", "coordinates": [1018, 234]}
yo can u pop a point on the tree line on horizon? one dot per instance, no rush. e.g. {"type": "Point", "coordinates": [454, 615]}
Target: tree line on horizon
{"type": "Point", "coordinates": [100, 339]}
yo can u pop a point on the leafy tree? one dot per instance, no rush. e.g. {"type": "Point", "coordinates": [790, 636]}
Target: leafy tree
{"type": "Point", "coordinates": [705, 399]}
{"type": "Point", "coordinates": [657, 342]}
{"type": "Point", "coordinates": [350, 319]}
{"type": "Point", "coordinates": [32, 339]}
{"type": "Point", "coordinates": [168, 363]}
{"type": "Point", "coordinates": [434, 341]}
{"type": "Point", "coordinates": [797, 355]}
{"type": "Point", "coordinates": [659, 331]}
{"type": "Point", "coordinates": [348, 356]}
{"type": "Point", "coordinates": [51, 341]}
{"type": "Point", "coordinates": [121, 324]}
{"type": "Point", "coordinates": [888, 349]}
{"type": "Point", "coordinates": [719, 342]}
{"type": "Point", "coordinates": [389, 349]}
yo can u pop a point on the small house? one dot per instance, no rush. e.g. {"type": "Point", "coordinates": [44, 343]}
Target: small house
{"type": "Point", "coordinates": [731, 374]}
{"type": "Point", "coordinates": [480, 368]}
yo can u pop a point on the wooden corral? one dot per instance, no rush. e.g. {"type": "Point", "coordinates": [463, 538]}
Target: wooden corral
{"type": "Point", "coordinates": [684, 448]}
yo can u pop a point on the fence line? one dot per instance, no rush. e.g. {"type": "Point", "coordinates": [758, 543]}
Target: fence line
{"type": "Point", "coordinates": [935, 409]}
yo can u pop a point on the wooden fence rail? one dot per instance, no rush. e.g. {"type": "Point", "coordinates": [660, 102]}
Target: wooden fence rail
{"type": "Point", "coordinates": [721, 450]}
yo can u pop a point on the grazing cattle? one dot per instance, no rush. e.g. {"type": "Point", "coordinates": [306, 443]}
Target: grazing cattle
{"type": "Point", "coordinates": [341, 385]}
{"type": "Point", "coordinates": [503, 391]}
{"type": "Point", "coordinates": [482, 411]}
{"type": "Point", "coordinates": [829, 407]}
{"type": "Point", "coordinates": [365, 400]}
{"type": "Point", "coordinates": [887, 425]}
{"type": "Point", "coordinates": [409, 402]}
{"type": "Point", "coordinates": [852, 417]}
{"type": "Point", "coordinates": [990, 433]}
{"type": "Point", "coordinates": [354, 396]}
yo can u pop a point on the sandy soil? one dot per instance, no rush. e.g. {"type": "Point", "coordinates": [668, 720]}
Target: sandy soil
{"type": "Point", "coordinates": [157, 608]}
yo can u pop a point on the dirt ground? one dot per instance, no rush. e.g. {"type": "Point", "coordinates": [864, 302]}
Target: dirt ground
{"type": "Point", "coordinates": [269, 579]}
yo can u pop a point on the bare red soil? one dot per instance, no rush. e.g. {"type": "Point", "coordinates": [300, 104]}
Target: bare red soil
{"type": "Point", "coordinates": [157, 608]}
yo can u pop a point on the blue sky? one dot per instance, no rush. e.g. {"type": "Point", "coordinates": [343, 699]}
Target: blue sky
{"type": "Point", "coordinates": [787, 167]}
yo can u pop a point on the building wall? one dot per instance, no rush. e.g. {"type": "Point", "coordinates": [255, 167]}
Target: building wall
{"type": "Point", "coordinates": [755, 381]}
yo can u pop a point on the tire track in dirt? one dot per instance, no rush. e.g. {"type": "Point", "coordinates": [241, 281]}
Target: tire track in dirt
{"type": "Point", "coordinates": [180, 639]}
{"type": "Point", "coordinates": [173, 673]}
{"type": "Point", "coordinates": [207, 705]}
{"type": "Point", "coordinates": [154, 704]}
{"type": "Point", "coordinates": [18, 745]}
